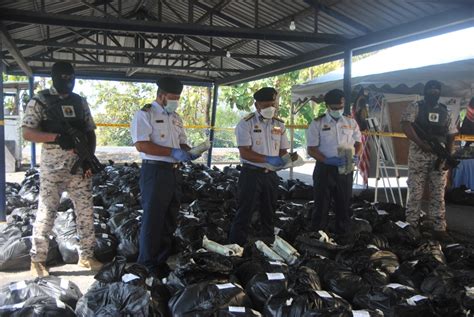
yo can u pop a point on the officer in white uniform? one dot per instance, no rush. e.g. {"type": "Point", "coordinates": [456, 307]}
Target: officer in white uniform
{"type": "Point", "coordinates": [158, 134]}
{"type": "Point", "coordinates": [261, 138]}
{"type": "Point", "coordinates": [323, 137]}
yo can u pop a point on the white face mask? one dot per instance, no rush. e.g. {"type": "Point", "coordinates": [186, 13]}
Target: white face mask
{"type": "Point", "coordinates": [268, 113]}
{"type": "Point", "coordinates": [171, 106]}
{"type": "Point", "coordinates": [336, 114]}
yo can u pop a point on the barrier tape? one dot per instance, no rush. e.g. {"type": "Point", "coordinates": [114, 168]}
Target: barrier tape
{"type": "Point", "coordinates": [461, 137]}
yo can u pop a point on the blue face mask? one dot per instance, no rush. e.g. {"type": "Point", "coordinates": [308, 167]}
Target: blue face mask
{"type": "Point", "coordinates": [336, 114]}
{"type": "Point", "coordinates": [171, 106]}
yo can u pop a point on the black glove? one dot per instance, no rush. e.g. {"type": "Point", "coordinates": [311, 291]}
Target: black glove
{"type": "Point", "coordinates": [65, 141]}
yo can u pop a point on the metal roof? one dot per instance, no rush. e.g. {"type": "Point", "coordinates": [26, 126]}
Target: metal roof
{"type": "Point", "coordinates": [210, 41]}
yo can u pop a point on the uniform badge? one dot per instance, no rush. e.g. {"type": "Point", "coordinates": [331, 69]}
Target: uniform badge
{"type": "Point", "coordinates": [433, 117]}
{"type": "Point", "coordinates": [257, 130]}
{"type": "Point", "coordinates": [258, 142]}
{"type": "Point", "coordinates": [326, 127]}
{"type": "Point", "coordinates": [159, 121]}
{"type": "Point", "coordinates": [68, 111]}
{"type": "Point", "coordinates": [276, 130]}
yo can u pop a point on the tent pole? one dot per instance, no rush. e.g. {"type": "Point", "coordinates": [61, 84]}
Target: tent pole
{"type": "Point", "coordinates": [2, 145]}
{"type": "Point", "coordinates": [347, 80]}
{"type": "Point", "coordinates": [31, 88]}
{"type": "Point", "coordinates": [213, 122]}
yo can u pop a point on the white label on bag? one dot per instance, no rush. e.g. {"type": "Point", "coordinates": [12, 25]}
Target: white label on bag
{"type": "Point", "coordinates": [289, 301]}
{"type": "Point", "coordinates": [129, 277]}
{"type": "Point", "coordinates": [224, 286]}
{"type": "Point", "coordinates": [103, 226]}
{"type": "Point", "coordinates": [324, 294]}
{"type": "Point", "coordinates": [396, 285]}
{"type": "Point", "coordinates": [285, 218]}
{"type": "Point", "coordinates": [105, 235]}
{"type": "Point", "coordinates": [401, 224]}
{"type": "Point", "coordinates": [360, 313]}
{"type": "Point", "coordinates": [382, 212]}
{"type": "Point", "coordinates": [278, 263]}
{"type": "Point", "coordinates": [98, 207]}
{"type": "Point", "coordinates": [64, 284]}
{"type": "Point", "coordinates": [60, 304]}
{"type": "Point", "coordinates": [275, 276]}
{"type": "Point", "coordinates": [452, 245]}
{"type": "Point", "coordinates": [19, 285]}
{"type": "Point", "coordinates": [119, 205]}
{"type": "Point", "coordinates": [412, 300]}
{"type": "Point", "coordinates": [236, 309]}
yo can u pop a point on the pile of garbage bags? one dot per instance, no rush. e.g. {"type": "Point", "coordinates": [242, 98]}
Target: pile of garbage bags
{"type": "Point", "coordinates": [381, 267]}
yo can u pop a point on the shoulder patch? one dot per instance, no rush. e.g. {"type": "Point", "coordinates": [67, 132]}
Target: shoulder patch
{"type": "Point", "coordinates": [146, 107]}
{"type": "Point", "coordinates": [278, 119]}
{"type": "Point", "coordinates": [319, 117]}
{"type": "Point", "coordinates": [249, 116]}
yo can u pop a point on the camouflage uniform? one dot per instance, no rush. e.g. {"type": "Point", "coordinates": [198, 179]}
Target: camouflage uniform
{"type": "Point", "coordinates": [55, 177]}
{"type": "Point", "coordinates": [421, 169]}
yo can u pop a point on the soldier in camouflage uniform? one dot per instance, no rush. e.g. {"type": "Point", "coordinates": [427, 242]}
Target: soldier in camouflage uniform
{"type": "Point", "coordinates": [57, 158]}
{"type": "Point", "coordinates": [435, 120]}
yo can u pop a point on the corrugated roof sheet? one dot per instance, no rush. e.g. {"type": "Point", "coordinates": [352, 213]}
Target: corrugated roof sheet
{"type": "Point", "coordinates": [351, 19]}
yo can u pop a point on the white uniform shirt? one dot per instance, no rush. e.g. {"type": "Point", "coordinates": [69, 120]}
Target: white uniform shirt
{"type": "Point", "coordinates": [327, 134]}
{"type": "Point", "coordinates": [265, 136]}
{"type": "Point", "coordinates": [156, 125]}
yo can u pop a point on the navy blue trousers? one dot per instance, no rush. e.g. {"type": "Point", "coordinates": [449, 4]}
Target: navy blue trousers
{"type": "Point", "coordinates": [257, 191]}
{"type": "Point", "coordinates": [160, 188]}
{"type": "Point", "coordinates": [328, 185]}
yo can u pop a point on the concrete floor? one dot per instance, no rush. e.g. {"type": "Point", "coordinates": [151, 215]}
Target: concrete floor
{"type": "Point", "coordinates": [460, 222]}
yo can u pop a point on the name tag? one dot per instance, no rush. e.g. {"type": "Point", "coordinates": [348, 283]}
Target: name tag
{"type": "Point", "coordinates": [326, 127]}
{"type": "Point", "coordinates": [159, 121]}
{"type": "Point", "coordinates": [433, 117]}
{"type": "Point", "coordinates": [258, 131]}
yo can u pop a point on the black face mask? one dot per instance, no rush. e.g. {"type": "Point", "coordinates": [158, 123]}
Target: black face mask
{"type": "Point", "coordinates": [63, 86]}
{"type": "Point", "coordinates": [432, 99]}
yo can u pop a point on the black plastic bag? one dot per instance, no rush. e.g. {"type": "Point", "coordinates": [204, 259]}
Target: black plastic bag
{"type": "Point", "coordinates": [263, 285]}
{"type": "Point", "coordinates": [128, 236]}
{"type": "Point", "coordinates": [118, 298]}
{"type": "Point", "coordinates": [203, 299]}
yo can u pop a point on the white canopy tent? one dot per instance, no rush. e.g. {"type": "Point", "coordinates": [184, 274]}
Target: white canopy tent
{"type": "Point", "coordinates": [457, 79]}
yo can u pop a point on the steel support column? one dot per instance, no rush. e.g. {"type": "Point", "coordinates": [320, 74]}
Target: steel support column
{"type": "Point", "coordinates": [347, 80]}
{"type": "Point", "coordinates": [31, 82]}
{"type": "Point", "coordinates": [3, 213]}
{"type": "Point", "coordinates": [213, 122]}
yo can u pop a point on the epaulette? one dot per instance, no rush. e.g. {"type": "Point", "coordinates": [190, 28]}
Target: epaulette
{"type": "Point", "coordinates": [348, 115]}
{"type": "Point", "coordinates": [249, 116]}
{"type": "Point", "coordinates": [319, 117]}
{"type": "Point", "coordinates": [146, 107]}
{"type": "Point", "coordinates": [278, 119]}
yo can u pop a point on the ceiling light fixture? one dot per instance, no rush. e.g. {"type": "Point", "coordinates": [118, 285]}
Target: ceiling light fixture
{"type": "Point", "coordinates": [292, 25]}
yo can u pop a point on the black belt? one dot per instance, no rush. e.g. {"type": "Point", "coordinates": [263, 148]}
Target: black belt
{"type": "Point", "coordinates": [256, 168]}
{"type": "Point", "coordinates": [161, 163]}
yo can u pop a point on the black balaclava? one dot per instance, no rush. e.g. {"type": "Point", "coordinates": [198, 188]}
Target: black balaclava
{"type": "Point", "coordinates": [62, 86]}
{"type": "Point", "coordinates": [432, 97]}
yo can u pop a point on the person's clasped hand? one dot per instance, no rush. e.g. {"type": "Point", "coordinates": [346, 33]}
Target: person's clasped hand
{"type": "Point", "coordinates": [274, 160]}
{"type": "Point", "coordinates": [180, 155]}
{"type": "Point", "coordinates": [335, 161]}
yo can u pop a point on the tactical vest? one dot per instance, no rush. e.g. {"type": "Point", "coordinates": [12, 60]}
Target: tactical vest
{"type": "Point", "coordinates": [61, 112]}
{"type": "Point", "coordinates": [433, 120]}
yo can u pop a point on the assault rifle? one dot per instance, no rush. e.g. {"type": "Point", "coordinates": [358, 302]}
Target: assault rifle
{"type": "Point", "coordinates": [87, 159]}
{"type": "Point", "coordinates": [437, 148]}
